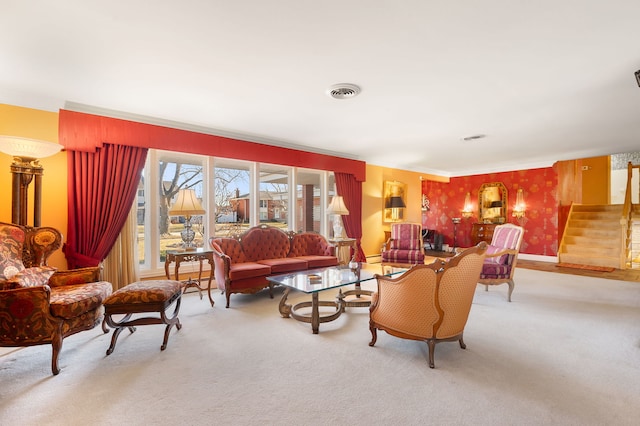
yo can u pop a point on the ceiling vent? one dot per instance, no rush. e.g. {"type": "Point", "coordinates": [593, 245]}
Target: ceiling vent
{"type": "Point", "coordinates": [473, 137]}
{"type": "Point", "coordinates": [343, 91]}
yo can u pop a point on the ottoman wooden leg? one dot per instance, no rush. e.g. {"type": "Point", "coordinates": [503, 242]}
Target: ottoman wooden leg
{"type": "Point", "coordinates": [174, 320]}
{"type": "Point", "coordinates": [118, 327]}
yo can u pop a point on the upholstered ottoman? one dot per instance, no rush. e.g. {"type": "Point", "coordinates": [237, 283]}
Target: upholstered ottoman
{"type": "Point", "coordinates": [139, 298]}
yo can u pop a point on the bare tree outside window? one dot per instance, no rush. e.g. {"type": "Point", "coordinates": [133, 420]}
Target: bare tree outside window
{"type": "Point", "coordinates": [174, 177]}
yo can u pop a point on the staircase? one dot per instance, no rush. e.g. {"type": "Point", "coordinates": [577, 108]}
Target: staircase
{"type": "Point", "coordinates": [635, 238]}
{"type": "Point", "coordinates": [593, 236]}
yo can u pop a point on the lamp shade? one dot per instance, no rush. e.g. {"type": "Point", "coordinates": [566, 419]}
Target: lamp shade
{"type": "Point", "coordinates": [186, 204]}
{"type": "Point", "coordinates": [396, 203]}
{"type": "Point", "coordinates": [337, 206]}
{"type": "Point", "coordinates": [28, 148]}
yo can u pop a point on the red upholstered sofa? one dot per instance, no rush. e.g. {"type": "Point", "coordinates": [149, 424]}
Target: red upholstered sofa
{"type": "Point", "coordinates": [242, 264]}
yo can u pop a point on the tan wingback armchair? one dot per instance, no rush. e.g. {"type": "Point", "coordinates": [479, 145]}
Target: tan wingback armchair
{"type": "Point", "coordinates": [39, 305]}
{"type": "Point", "coordinates": [429, 302]}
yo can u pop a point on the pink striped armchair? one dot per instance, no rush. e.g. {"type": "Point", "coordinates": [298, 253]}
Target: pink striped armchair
{"type": "Point", "coordinates": [502, 256]}
{"type": "Point", "coordinates": [405, 247]}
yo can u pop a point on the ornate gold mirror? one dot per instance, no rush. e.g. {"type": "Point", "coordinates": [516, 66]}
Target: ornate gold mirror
{"type": "Point", "coordinates": [492, 203]}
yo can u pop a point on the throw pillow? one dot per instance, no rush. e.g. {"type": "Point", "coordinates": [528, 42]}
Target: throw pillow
{"type": "Point", "coordinates": [11, 244]}
{"type": "Point", "coordinates": [32, 277]}
{"type": "Point", "coordinates": [498, 259]}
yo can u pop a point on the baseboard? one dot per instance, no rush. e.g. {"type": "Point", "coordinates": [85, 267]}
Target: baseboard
{"type": "Point", "coordinates": [374, 259]}
{"type": "Point", "coordinates": [523, 256]}
{"type": "Point", "coordinates": [538, 258]}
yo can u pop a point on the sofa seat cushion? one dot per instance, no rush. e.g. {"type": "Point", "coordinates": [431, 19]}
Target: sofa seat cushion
{"type": "Point", "coordinates": [285, 264]}
{"type": "Point", "coordinates": [239, 271]}
{"type": "Point", "coordinates": [74, 300]}
{"type": "Point", "coordinates": [318, 261]}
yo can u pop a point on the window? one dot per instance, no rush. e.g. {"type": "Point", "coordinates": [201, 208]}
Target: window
{"type": "Point", "coordinates": [274, 194]}
{"type": "Point", "coordinates": [308, 200]}
{"type": "Point", "coordinates": [232, 197]}
{"type": "Point", "coordinates": [235, 195]}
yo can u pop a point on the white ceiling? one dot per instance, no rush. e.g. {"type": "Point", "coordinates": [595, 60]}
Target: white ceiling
{"type": "Point", "coordinates": [545, 80]}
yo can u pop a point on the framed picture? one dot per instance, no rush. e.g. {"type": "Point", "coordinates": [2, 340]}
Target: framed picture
{"type": "Point", "coordinates": [395, 201]}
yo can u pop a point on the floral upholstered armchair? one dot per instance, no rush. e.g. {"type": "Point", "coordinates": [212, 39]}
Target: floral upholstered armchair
{"type": "Point", "coordinates": [39, 305]}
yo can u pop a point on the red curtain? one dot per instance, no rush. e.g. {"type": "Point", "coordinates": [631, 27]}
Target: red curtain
{"type": "Point", "coordinates": [351, 190]}
{"type": "Point", "coordinates": [102, 187]}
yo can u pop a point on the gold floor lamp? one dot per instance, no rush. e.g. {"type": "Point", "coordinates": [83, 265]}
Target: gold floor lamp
{"type": "Point", "coordinates": [26, 169]}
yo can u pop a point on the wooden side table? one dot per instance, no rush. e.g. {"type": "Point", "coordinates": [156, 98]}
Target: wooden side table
{"type": "Point", "coordinates": [482, 232]}
{"type": "Point", "coordinates": [343, 242]}
{"type": "Point", "coordinates": [189, 256]}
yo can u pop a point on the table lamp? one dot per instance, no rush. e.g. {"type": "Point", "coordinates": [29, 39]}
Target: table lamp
{"type": "Point", "coordinates": [187, 205]}
{"type": "Point", "coordinates": [337, 208]}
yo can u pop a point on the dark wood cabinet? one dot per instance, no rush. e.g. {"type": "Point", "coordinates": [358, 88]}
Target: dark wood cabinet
{"type": "Point", "coordinates": [482, 232]}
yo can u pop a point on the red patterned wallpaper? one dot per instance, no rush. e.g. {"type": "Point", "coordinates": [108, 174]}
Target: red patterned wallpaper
{"type": "Point", "coordinates": [540, 195]}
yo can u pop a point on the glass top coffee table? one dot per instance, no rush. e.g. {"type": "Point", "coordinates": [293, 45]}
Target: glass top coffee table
{"type": "Point", "coordinates": [313, 281]}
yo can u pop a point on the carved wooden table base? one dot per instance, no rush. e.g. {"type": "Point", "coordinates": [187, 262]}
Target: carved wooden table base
{"type": "Point", "coordinates": [314, 318]}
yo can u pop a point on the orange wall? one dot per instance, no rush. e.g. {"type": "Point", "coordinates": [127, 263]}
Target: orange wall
{"type": "Point", "coordinates": [372, 205]}
{"type": "Point", "coordinates": [596, 180]}
{"type": "Point", "coordinates": [43, 125]}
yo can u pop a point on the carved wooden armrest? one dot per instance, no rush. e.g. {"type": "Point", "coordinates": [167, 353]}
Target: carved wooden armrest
{"type": "Point", "coordinates": [502, 252]}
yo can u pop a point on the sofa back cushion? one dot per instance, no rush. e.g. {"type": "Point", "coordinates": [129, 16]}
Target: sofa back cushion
{"type": "Point", "coordinates": [11, 246]}
{"type": "Point", "coordinates": [264, 242]}
{"type": "Point", "coordinates": [231, 247]}
{"type": "Point", "coordinates": [310, 244]}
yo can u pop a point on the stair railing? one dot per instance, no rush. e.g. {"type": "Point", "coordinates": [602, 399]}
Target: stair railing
{"type": "Point", "coordinates": [625, 220]}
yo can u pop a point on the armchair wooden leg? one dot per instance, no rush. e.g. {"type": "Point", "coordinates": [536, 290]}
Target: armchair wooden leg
{"type": "Point", "coordinates": [374, 335]}
{"type": "Point", "coordinates": [56, 344]}
{"type": "Point", "coordinates": [511, 285]}
{"type": "Point", "coordinates": [462, 344]}
{"type": "Point", "coordinates": [432, 348]}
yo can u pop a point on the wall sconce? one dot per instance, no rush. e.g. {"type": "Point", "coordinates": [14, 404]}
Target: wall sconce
{"type": "Point", "coordinates": [26, 153]}
{"type": "Point", "coordinates": [395, 204]}
{"type": "Point", "coordinates": [394, 199]}
{"type": "Point", "coordinates": [425, 203]}
{"type": "Point", "coordinates": [337, 208]}
{"type": "Point", "coordinates": [187, 205]}
{"type": "Point", "coordinates": [520, 207]}
{"type": "Point", "coordinates": [467, 209]}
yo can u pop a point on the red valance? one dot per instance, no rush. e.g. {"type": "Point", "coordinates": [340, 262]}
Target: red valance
{"type": "Point", "coordinates": [85, 132]}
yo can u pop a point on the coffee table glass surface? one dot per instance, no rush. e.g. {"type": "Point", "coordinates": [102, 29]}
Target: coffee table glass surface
{"type": "Point", "coordinates": [315, 280]}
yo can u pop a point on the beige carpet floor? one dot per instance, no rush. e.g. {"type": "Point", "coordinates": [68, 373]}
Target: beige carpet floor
{"type": "Point", "coordinates": [566, 351]}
